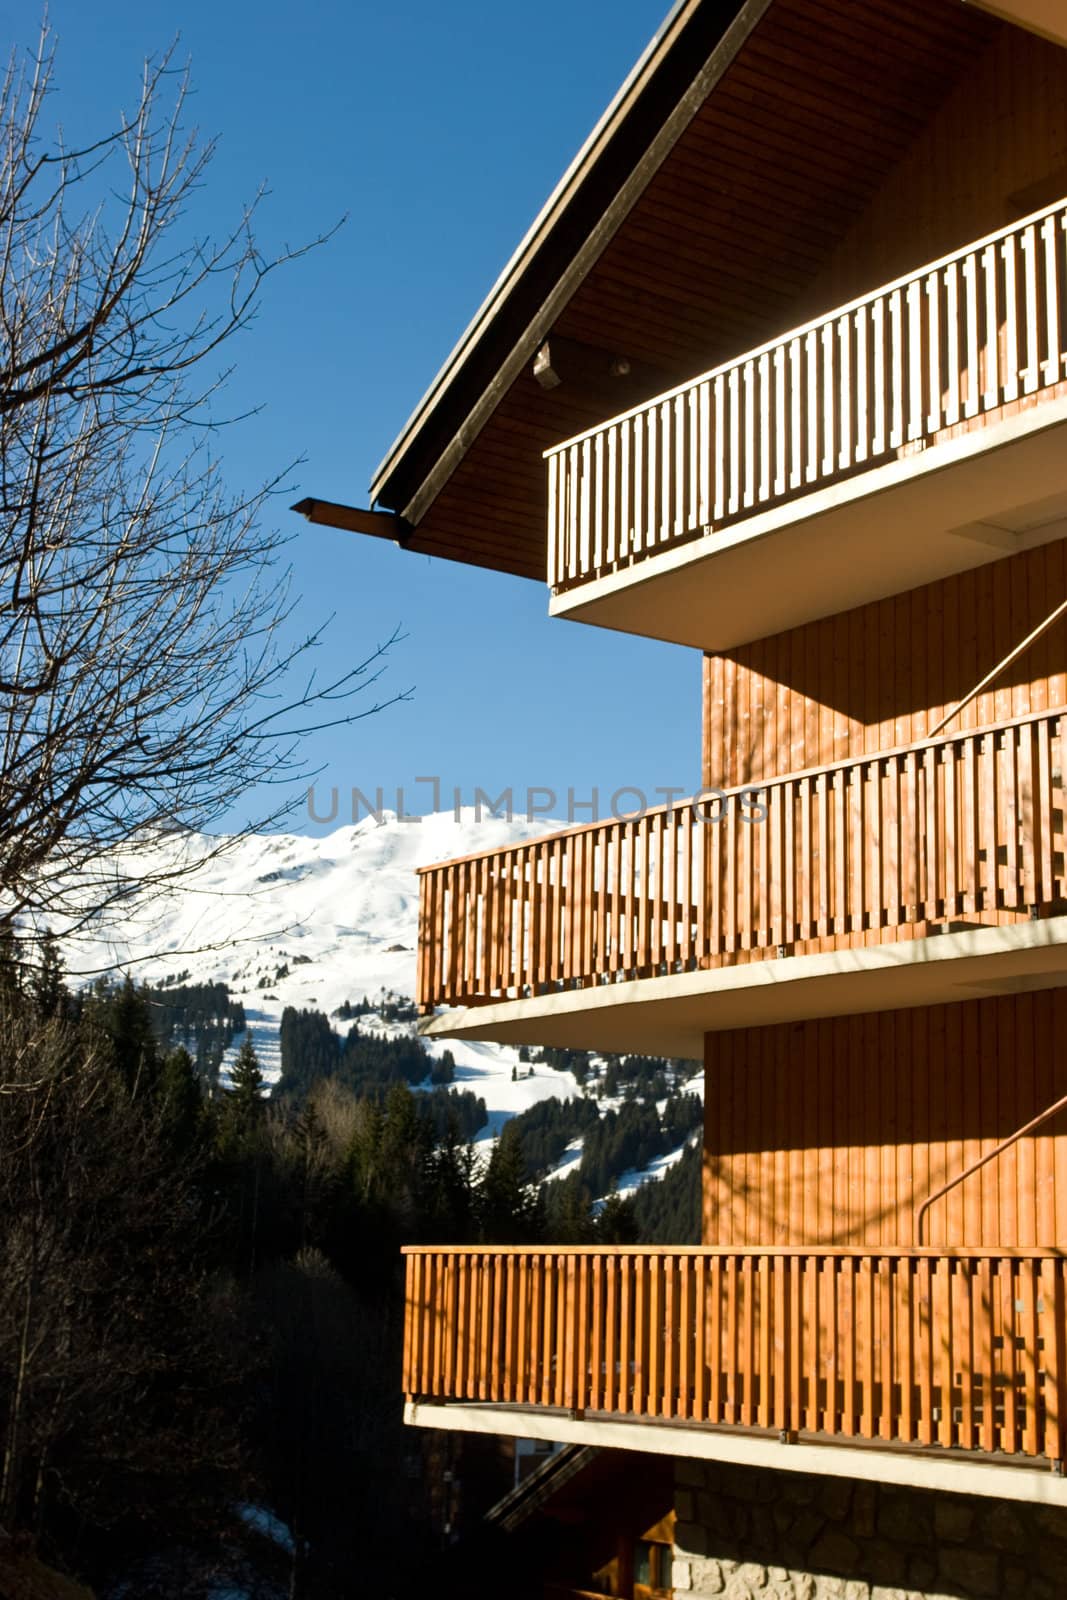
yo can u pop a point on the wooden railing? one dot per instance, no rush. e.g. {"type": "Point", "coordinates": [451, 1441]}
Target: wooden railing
{"type": "Point", "coordinates": [963, 826]}
{"type": "Point", "coordinates": [944, 346]}
{"type": "Point", "coordinates": [960, 1348]}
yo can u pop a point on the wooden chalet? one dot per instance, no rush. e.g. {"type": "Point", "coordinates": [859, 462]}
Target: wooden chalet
{"type": "Point", "coordinates": [780, 373]}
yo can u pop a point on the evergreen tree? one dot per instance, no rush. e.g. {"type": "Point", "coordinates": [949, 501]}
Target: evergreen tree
{"type": "Point", "coordinates": [10, 972]}
{"type": "Point", "coordinates": [448, 1189]}
{"type": "Point", "coordinates": [508, 1203]}
{"type": "Point", "coordinates": [246, 1083]}
{"type": "Point", "coordinates": [668, 1211]}
{"type": "Point", "coordinates": [569, 1210]}
{"type": "Point", "coordinates": [181, 1097]}
{"type": "Point", "coordinates": [46, 985]}
{"type": "Point", "coordinates": [617, 1222]}
{"type": "Point", "coordinates": [127, 1026]}
{"type": "Point", "coordinates": [443, 1071]}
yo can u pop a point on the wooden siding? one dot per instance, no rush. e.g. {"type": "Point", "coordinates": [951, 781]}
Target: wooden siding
{"type": "Point", "coordinates": [792, 147]}
{"type": "Point", "coordinates": [883, 674]}
{"type": "Point", "coordinates": [960, 1349]}
{"type": "Point", "coordinates": [994, 150]}
{"type": "Point", "coordinates": [834, 1132]}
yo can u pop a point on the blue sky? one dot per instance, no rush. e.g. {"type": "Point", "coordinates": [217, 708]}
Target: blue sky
{"type": "Point", "coordinates": [440, 131]}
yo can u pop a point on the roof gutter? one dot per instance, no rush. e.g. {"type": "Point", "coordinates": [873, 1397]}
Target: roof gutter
{"type": "Point", "coordinates": [623, 153]}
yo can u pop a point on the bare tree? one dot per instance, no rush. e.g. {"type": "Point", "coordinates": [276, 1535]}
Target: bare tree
{"type": "Point", "coordinates": [143, 684]}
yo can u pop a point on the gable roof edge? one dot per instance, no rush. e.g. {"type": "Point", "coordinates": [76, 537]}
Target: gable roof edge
{"type": "Point", "coordinates": [560, 248]}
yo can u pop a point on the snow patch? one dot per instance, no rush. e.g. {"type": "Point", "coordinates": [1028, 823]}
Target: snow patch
{"type": "Point", "coordinates": [630, 1182]}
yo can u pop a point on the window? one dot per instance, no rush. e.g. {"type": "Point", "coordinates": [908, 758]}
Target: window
{"type": "Point", "coordinates": [652, 1568]}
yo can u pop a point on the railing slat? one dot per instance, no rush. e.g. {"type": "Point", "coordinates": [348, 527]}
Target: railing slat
{"type": "Point", "coordinates": [733, 1351]}
{"type": "Point", "coordinates": [597, 1337]}
{"type": "Point", "coordinates": [814, 1415]}
{"type": "Point", "coordinates": [970, 341]}
{"type": "Point", "coordinates": [985, 1345]}
{"type": "Point", "coordinates": [623, 1388]}
{"type": "Point", "coordinates": [1052, 1324]}
{"type": "Point", "coordinates": [780, 1396]}
{"type": "Point", "coordinates": [866, 1337]}
{"type": "Point", "coordinates": [1028, 1324]}
{"type": "Point", "coordinates": [942, 1319]}
{"type": "Point", "coordinates": [924, 1349]}
{"type": "Point", "coordinates": [714, 1326]}
{"type": "Point", "coordinates": [412, 1285]}
{"type": "Point", "coordinates": [685, 1339]}
{"type": "Point", "coordinates": [1006, 1285]}
{"type": "Point", "coordinates": [702, 1311]}
{"type": "Point", "coordinates": [581, 1378]}
{"type": "Point", "coordinates": [964, 1337]}
{"type": "Point", "coordinates": [569, 1320]}
{"type": "Point", "coordinates": [765, 1343]}
{"type": "Point", "coordinates": [655, 1338]}
{"type": "Point", "coordinates": [887, 1392]}
{"type": "Point", "coordinates": [1010, 325]}
{"type": "Point", "coordinates": [612, 1398]}
{"type": "Point", "coordinates": [906, 1308]}
{"type": "Point", "coordinates": [665, 1332]}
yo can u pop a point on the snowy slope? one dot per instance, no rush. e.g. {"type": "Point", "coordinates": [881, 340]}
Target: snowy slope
{"type": "Point", "coordinates": [340, 911]}
{"type": "Point", "coordinates": [287, 920]}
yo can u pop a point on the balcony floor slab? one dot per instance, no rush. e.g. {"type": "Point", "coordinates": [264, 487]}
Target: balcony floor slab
{"type": "Point", "coordinates": [670, 1015]}
{"type": "Point", "coordinates": [954, 1472]}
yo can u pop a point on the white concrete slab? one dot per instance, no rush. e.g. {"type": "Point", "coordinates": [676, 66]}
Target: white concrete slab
{"type": "Point", "coordinates": [670, 1015]}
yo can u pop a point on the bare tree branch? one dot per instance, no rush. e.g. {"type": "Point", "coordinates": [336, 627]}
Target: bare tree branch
{"type": "Point", "coordinates": [144, 684]}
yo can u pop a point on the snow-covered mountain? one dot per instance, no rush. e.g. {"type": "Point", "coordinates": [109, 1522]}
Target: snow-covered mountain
{"type": "Point", "coordinates": [289, 920]}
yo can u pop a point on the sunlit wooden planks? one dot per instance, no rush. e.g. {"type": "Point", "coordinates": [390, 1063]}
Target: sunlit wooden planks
{"type": "Point", "coordinates": [966, 825]}
{"type": "Point", "coordinates": [875, 1117]}
{"type": "Point", "coordinates": [958, 1348]}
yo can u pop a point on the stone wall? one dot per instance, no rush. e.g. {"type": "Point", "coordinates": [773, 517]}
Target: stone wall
{"type": "Point", "coordinates": [748, 1534]}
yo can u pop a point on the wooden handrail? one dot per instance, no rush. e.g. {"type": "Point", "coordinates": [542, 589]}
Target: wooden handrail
{"type": "Point", "coordinates": [983, 1161]}
{"type": "Point", "coordinates": [1002, 666]}
{"type": "Point", "coordinates": [834, 1252]}
{"type": "Point", "coordinates": [964, 1349]}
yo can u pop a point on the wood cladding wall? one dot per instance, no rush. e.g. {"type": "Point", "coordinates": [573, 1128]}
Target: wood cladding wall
{"type": "Point", "coordinates": [834, 1132]}
{"type": "Point", "coordinates": [995, 149]}
{"type": "Point", "coordinates": [883, 675]}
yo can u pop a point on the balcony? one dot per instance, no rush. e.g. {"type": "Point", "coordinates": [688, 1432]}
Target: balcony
{"type": "Point", "coordinates": [844, 888]}
{"type": "Point", "coordinates": [927, 1350]}
{"type": "Point", "coordinates": [901, 438]}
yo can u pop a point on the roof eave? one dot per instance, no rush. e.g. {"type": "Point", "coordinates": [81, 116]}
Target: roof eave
{"type": "Point", "coordinates": [546, 268]}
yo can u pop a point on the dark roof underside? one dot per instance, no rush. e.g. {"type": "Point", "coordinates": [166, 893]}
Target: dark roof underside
{"type": "Point", "coordinates": [818, 103]}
